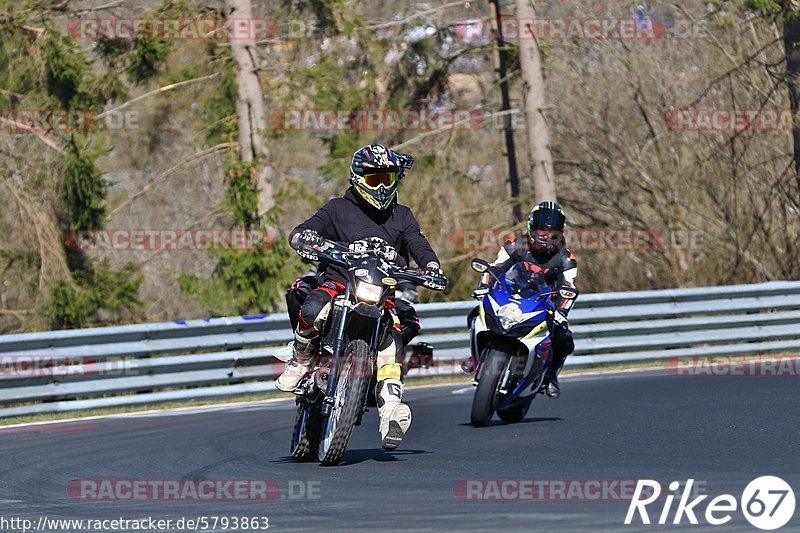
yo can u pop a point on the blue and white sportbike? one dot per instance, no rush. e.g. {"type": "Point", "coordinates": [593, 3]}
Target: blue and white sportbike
{"type": "Point", "coordinates": [510, 342]}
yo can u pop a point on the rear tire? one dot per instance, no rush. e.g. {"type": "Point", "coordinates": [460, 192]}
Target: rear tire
{"type": "Point", "coordinates": [352, 382]}
{"type": "Point", "coordinates": [485, 399]}
{"type": "Point", "coordinates": [515, 413]}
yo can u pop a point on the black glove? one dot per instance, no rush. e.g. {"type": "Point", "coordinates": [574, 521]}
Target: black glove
{"type": "Point", "coordinates": [309, 237]}
{"type": "Point", "coordinates": [438, 284]}
{"type": "Point", "coordinates": [375, 245]}
{"type": "Point", "coordinates": [433, 271]}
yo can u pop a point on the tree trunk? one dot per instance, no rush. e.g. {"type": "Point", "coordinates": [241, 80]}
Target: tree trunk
{"type": "Point", "coordinates": [541, 160]}
{"type": "Point", "coordinates": [250, 116]}
{"type": "Point", "coordinates": [791, 46]}
{"type": "Point", "coordinates": [508, 130]}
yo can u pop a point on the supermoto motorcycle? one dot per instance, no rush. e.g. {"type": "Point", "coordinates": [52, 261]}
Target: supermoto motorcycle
{"type": "Point", "coordinates": [331, 400]}
{"type": "Point", "coordinates": [510, 343]}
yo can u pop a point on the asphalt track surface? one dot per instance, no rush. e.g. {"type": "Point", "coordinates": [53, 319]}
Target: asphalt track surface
{"type": "Point", "coordinates": [721, 431]}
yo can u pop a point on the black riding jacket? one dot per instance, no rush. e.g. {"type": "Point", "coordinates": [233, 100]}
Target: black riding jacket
{"type": "Point", "coordinates": [349, 219]}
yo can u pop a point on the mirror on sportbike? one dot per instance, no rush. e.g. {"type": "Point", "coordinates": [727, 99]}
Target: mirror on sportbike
{"type": "Point", "coordinates": [479, 265]}
{"type": "Point", "coordinates": [510, 344]}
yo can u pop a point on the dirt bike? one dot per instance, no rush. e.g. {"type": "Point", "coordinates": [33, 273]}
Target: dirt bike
{"type": "Point", "coordinates": [332, 399]}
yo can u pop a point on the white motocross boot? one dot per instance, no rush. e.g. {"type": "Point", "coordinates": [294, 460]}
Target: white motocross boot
{"type": "Point", "coordinates": [395, 416]}
{"type": "Point", "coordinates": [298, 366]}
{"type": "Point", "coordinates": [284, 353]}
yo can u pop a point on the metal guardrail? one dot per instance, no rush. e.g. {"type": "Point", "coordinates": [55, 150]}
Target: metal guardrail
{"type": "Point", "coordinates": [217, 357]}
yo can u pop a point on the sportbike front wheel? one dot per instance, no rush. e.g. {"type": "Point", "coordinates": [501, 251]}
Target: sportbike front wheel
{"type": "Point", "coordinates": [485, 400]}
{"type": "Point", "coordinates": [351, 386]}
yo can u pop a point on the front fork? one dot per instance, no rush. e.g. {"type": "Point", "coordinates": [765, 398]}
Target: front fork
{"type": "Point", "coordinates": [508, 375]}
{"type": "Point", "coordinates": [333, 375]}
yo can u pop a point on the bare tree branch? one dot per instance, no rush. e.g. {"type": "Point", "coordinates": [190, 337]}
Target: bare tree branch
{"type": "Point", "coordinates": [160, 90]}
{"type": "Point", "coordinates": [377, 25]}
{"type": "Point", "coordinates": [456, 124]}
{"type": "Point", "coordinates": [191, 159]}
{"type": "Point", "coordinates": [49, 141]}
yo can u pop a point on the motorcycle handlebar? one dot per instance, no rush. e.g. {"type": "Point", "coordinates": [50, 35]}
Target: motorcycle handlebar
{"type": "Point", "coordinates": [344, 256]}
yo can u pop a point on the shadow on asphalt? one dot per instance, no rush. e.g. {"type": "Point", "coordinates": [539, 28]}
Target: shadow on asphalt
{"type": "Point", "coordinates": [354, 457]}
{"type": "Point", "coordinates": [497, 422]}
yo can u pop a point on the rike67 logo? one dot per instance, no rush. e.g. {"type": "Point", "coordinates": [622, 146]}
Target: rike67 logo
{"type": "Point", "coordinates": [767, 503]}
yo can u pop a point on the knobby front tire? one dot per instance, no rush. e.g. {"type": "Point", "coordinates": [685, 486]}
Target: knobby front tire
{"type": "Point", "coordinates": [352, 383]}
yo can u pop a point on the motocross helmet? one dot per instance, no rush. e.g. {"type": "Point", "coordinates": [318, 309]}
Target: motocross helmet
{"type": "Point", "coordinates": [375, 172]}
{"type": "Point", "coordinates": [546, 227]}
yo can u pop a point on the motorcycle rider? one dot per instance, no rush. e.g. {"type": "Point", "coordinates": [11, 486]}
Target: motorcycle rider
{"type": "Point", "coordinates": [543, 247]}
{"type": "Point", "coordinates": [369, 209]}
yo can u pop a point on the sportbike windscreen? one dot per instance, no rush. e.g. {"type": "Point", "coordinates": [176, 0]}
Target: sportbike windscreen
{"type": "Point", "coordinates": [525, 280]}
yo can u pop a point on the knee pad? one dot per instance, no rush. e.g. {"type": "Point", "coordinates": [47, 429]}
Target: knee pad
{"type": "Point", "coordinates": [314, 312]}
{"type": "Point", "coordinates": [408, 334]}
{"type": "Point", "coordinates": [563, 343]}
{"type": "Point", "coordinates": [569, 347]}
{"type": "Point", "coordinates": [296, 296]}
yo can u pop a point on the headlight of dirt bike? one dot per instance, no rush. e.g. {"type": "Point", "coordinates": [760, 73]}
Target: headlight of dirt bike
{"type": "Point", "coordinates": [368, 293]}
{"type": "Point", "coordinates": [509, 315]}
